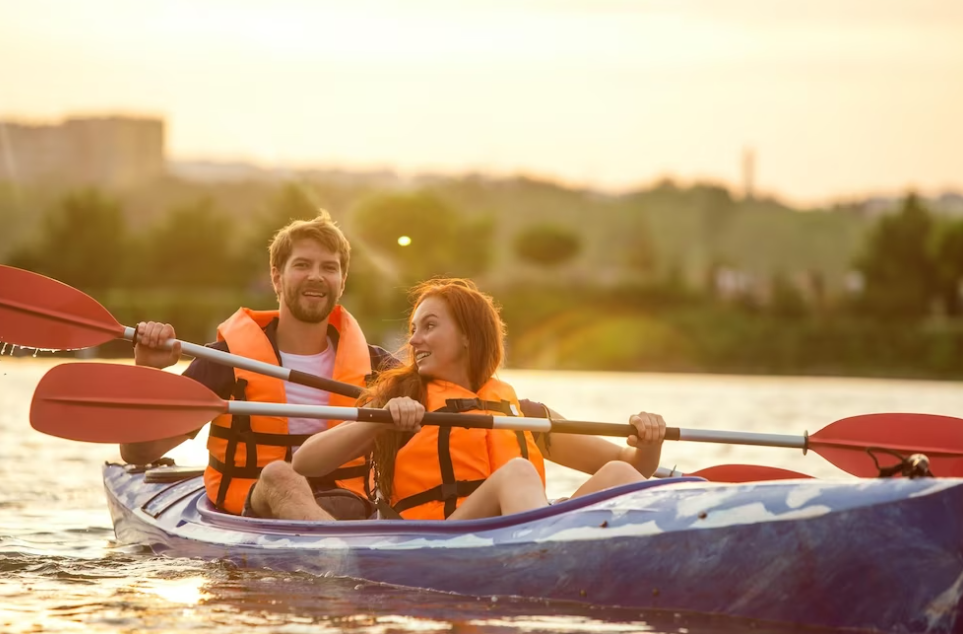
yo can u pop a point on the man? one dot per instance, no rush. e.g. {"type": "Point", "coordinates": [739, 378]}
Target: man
{"type": "Point", "coordinates": [249, 470]}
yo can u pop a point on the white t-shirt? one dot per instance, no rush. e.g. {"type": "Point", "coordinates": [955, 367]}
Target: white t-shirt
{"type": "Point", "coordinates": [320, 365]}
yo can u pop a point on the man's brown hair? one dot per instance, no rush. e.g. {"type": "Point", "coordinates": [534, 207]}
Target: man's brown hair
{"type": "Point", "coordinates": [322, 230]}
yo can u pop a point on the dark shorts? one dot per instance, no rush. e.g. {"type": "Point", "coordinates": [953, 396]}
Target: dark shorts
{"type": "Point", "coordinates": [340, 503]}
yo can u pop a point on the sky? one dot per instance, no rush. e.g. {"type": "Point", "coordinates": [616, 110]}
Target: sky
{"type": "Point", "coordinates": [836, 98]}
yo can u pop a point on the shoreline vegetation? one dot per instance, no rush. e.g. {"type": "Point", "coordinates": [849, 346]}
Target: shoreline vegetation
{"type": "Point", "coordinates": [667, 279]}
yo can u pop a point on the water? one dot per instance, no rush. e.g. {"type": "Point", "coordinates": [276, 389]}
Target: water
{"type": "Point", "coordinates": [60, 570]}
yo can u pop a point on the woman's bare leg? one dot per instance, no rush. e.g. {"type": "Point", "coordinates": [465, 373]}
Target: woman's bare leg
{"type": "Point", "coordinates": [513, 488]}
{"type": "Point", "coordinates": [610, 475]}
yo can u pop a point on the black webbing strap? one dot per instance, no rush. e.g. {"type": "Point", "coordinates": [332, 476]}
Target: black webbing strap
{"type": "Point", "coordinates": [448, 490]}
{"type": "Point", "coordinates": [459, 405]}
{"type": "Point", "coordinates": [239, 425]}
{"type": "Point", "coordinates": [260, 438]}
{"type": "Point", "coordinates": [228, 471]}
{"type": "Point", "coordinates": [522, 443]}
{"type": "Point", "coordinates": [459, 489]}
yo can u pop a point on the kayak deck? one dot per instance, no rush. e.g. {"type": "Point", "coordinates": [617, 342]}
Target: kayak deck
{"type": "Point", "coordinates": [884, 555]}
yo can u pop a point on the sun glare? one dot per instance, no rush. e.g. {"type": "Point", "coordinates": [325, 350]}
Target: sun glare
{"type": "Point", "coordinates": [184, 591]}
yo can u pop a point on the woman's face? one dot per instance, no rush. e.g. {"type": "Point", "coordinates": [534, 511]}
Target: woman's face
{"type": "Point", "coordinates": [440, 349]}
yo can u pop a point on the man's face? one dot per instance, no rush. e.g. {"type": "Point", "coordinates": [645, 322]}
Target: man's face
{"type": "Point", "coordinates": [311, 282]}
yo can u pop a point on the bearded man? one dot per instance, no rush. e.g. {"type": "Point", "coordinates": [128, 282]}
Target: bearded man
{"type": "Point", "coordinates": [249, 471]}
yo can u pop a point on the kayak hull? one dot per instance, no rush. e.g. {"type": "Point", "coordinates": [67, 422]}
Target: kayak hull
{"type": "Point", "coordinates": [875, 555]}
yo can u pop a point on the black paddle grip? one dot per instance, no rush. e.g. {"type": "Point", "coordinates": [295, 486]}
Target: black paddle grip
{"type": "Point", "coordinates": [438, 419]}
{"type": "Point", "coordinates": [321, 383]}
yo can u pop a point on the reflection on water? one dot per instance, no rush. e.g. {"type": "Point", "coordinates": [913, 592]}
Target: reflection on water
{"type": "Point", "coordinates": [187, 591]}
{"type": "Point", "coordinates": [163, 594]}
{"type": "Point", "coordinates": [60, 570]}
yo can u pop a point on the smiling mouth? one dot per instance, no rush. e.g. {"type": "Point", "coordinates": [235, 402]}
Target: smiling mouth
{"type": "Point", "coordinates": [421, 356]}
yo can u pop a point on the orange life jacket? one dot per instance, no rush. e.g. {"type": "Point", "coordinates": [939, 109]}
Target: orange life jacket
{"type": "Point", "coordinates": [440, 466]}
{"type": "Point", "coordinates": [240, 446]}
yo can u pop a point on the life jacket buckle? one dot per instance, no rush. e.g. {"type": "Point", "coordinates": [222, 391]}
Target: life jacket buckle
{"type": "Point", "coordinates": [449, 491]}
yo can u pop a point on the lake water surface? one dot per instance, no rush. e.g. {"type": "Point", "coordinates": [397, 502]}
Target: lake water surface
{"type": "Point", "coordinates": [60, 570]}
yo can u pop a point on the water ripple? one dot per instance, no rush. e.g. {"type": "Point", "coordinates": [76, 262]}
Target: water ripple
{"type": "Point", "coordinates": [60, 570]}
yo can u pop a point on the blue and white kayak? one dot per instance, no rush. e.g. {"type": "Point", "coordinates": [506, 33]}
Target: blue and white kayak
{"type": "Point", "coordinates": [875, 555]}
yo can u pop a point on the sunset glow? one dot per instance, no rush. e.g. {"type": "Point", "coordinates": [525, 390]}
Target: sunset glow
{"type": "Point", "coordinates": [835, 98]}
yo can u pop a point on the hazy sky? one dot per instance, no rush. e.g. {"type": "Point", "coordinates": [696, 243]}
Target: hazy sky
{"type": "Point", "coordinates": [837, 97]}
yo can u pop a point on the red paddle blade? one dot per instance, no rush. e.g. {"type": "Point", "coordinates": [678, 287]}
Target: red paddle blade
{"type": "Point", "coordinates": [746, 473]}
{"type": "Point", "coordinates": [40, 312]}
{"type": "Point", "coordinates": [845, 442]}
{"type": "Point", "coordinates": [110, 403]}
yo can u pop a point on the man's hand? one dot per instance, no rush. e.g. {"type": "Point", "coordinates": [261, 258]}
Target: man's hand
{"type": "Point", "coordinates": [150, 350]}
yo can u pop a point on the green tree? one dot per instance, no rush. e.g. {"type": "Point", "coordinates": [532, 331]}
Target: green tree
{"type": "Point", "coordinates": [547, 245]}
{"type": "Point", "coordinates": [191, 247]}
{"type": "Point", "coordinates": [83, 242]}
{"type": "Point", "coordinates": [423, 236]}
{"type": "Point", "coordinates": [293, 201]}
{"type": "Point", "coordinates": [949, 263]}
{"type": "Point", "coordinates": [898, 266]}
{"type": "Point", "coordinates": [634, 240]}
{"type": "Point", "coordinates": [716, 210]}
{"type": "Point", "coordinates": [786, 301]}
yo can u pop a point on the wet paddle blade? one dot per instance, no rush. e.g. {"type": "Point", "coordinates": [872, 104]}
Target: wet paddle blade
{"type": "Point", "coordinates": [39, 312]}
{"type": "Point", "coordinates": [112, 403]}
{"type": "Point", "coordinates": [845, 442]}
{"type": "Point", "coordinates": [746, 473]}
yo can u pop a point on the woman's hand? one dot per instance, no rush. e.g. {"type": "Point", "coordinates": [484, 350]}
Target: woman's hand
{"type": "Point", "coordinates": [645, 446]}
{"type": "Point", "coordinates": [650, 429]}
{"type": "Point", "coordinates": [406, 413]}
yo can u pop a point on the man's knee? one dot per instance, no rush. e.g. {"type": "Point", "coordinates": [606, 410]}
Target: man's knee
{"type": "Point", "coordinates": [279, 475]}
{"type": "Point", "coordinates": [278, 483]}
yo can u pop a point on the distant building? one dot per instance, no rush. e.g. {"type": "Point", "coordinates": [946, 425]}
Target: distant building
{"type": "Point", "coordinates": [106, 151]}
{"type": "Point", "coordinates": [950, 203]}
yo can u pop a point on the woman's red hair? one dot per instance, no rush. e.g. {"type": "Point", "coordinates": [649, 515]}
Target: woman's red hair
{"type": "Point", "coordinates": [476, 316]}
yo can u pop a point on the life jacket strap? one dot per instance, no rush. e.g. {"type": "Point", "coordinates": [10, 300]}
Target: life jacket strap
{"type": "Point", "coordinates": [441, 493]}
{"type": "Point", "coordinates": [229, 471]}
{"type": "Point", "coordinates": [240, 426]}
{"type": "Point", "coordinates": [259, 438]}
{"type": "Point", "coordinates": [459, 405]}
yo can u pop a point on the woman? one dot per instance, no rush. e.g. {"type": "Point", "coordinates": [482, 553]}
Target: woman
{"type": "Point", "coordinates": [455, 347]}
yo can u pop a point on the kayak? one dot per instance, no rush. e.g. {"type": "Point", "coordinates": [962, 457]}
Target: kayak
{"type": "Point", "coordinates": [876, 555]}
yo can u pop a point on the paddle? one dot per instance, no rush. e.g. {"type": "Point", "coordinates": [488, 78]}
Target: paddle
{"type": "Point", "coordinates": [735, 473]}
{"type": "Point", "coordinates": [39, 312]}
{"type": "Point", "coordinates": [113, 403]}
{"type": "Point", "coordinates": [122, 404]}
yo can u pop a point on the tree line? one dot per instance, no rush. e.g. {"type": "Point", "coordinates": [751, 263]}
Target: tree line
{"type": "Point", "coordinates": [196, 261]}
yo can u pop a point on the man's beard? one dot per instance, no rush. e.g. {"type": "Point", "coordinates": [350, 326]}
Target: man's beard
{"type": "Point", "coordinates": [309, 314]}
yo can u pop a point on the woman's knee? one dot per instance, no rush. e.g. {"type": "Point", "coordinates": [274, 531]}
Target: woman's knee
{"type": "Point", "coordinates": [617, 471]}
{"type": "Point", "coordinates": [519, 470]}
